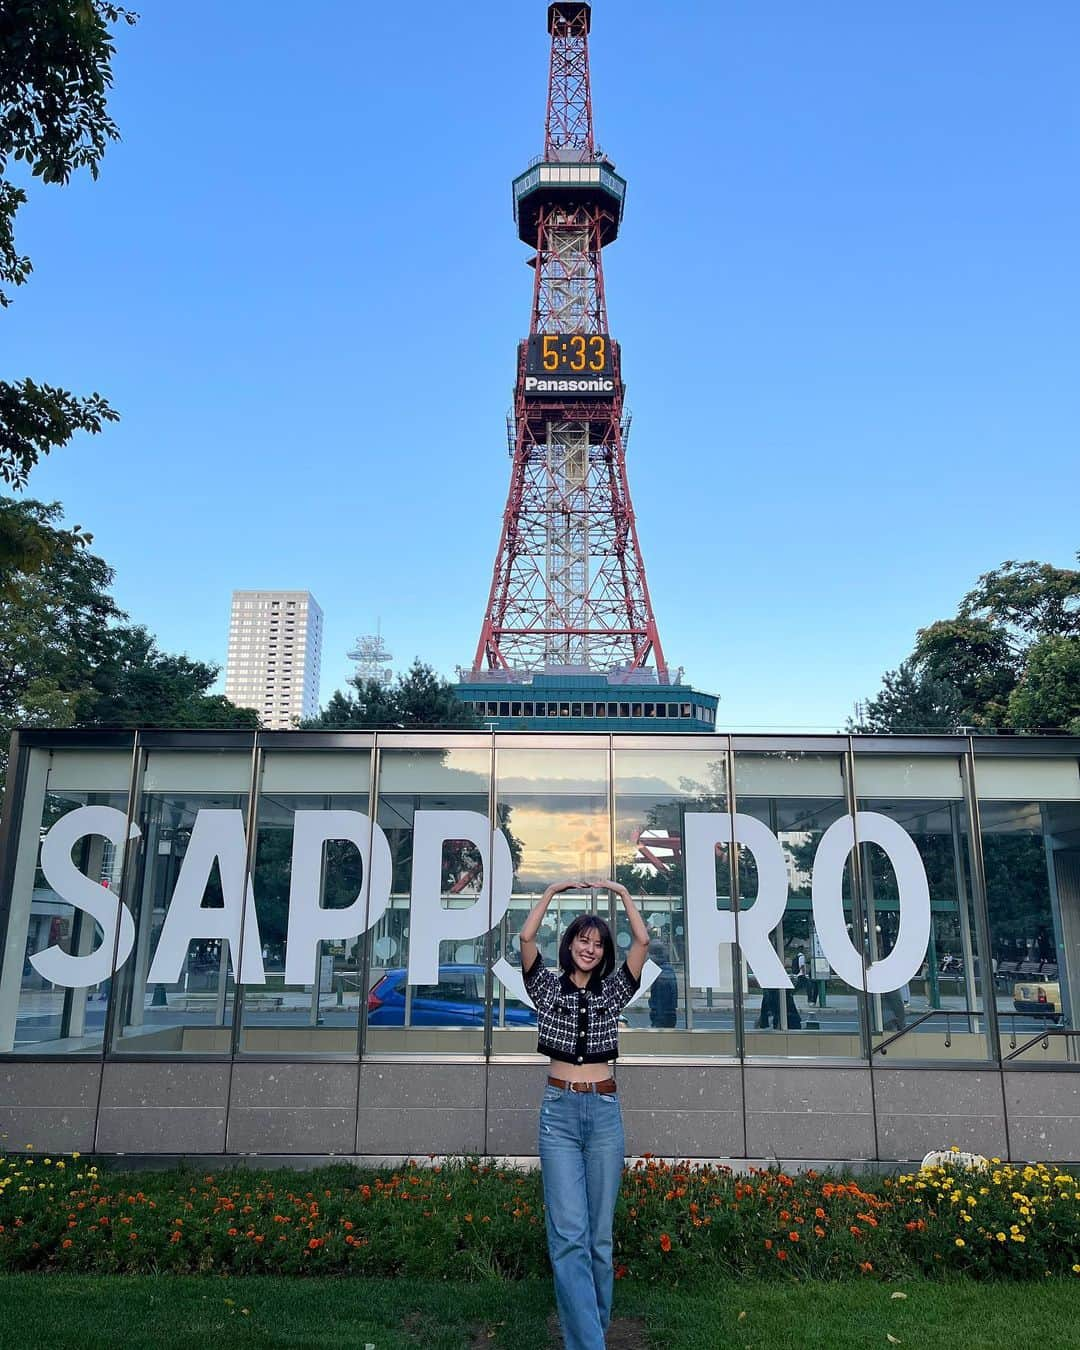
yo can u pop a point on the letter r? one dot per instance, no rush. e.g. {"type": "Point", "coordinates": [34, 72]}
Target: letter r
{"type": "Point", "coordinates": [708, 928]}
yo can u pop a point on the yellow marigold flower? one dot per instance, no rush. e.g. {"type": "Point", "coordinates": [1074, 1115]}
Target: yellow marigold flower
{"type": "Point", "coordinates": [960, 1242]}
{"type": "Point", "coordinates": [966, 1218]}
{"type": "Point", "coordinates": [1076, 1270]}
{"type": "Point", "coordinates": [1000, 1237]}
{"type": "Point", "coordinates": [1019, 1237]}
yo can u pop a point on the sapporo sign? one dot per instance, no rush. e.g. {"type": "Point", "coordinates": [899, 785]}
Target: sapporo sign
{"type": "Point", "coordinates": [218, 837]}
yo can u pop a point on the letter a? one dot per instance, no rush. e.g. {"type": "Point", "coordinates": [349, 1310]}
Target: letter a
{"type": "Point", "coordinates": [217, 834]}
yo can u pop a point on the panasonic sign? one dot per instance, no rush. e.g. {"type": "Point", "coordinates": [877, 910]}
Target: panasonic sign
{"type": "Point", "coordinates": [588, 386]}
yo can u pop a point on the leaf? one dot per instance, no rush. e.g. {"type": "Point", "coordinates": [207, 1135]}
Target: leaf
{"type": "Point", "coordinates": [898, 1294]}
{"type": "Point", "coordinates": [891, 1338]}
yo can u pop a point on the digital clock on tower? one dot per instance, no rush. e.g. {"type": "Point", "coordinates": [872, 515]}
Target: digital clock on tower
{"type": "Point", "coordinates": [569, 354]}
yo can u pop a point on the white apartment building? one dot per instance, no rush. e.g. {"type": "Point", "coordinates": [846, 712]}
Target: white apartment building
{"type": "Point", "coordinates": [275, 652]}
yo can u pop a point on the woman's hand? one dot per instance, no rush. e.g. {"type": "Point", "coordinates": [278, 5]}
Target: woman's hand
{"type": "Point", "coordinates": [615, 886]}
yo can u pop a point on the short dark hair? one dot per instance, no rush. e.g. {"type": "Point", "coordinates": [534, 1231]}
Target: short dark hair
{"type": "Point", "coordinates": [585, 923]}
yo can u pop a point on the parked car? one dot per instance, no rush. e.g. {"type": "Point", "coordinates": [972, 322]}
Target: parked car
{"type": "Point", "coordinates": [1038, 998]}
{"type": "Point", "coordinates": [456, 1001]}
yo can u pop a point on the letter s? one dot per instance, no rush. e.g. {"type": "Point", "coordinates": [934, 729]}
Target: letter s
{"type": "Point", "coordinates": [75, 888]}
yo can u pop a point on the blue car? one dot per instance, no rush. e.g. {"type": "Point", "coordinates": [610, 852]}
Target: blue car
{"type": "Point", "coordinates": [456, 1001]}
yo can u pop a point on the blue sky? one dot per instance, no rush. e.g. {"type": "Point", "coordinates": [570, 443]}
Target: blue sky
{"type": "Point", "coordinates": [846, 291]}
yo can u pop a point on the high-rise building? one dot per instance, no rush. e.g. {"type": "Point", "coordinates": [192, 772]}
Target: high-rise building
{"type": "Point", "coordinates": [275, 651]}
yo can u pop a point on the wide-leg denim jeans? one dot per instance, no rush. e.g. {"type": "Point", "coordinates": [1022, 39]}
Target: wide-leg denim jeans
{"type": "Point", "coordinates": [581, 1156]}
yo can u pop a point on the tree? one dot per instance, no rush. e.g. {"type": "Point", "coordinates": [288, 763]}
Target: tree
{"type": "Point", "coordinates": [68, 659]}
{"type": "Point", "coordinates": [55, 73]}
{"type": "Point", "coordinates": [418, 700]}
{"type": "Point", "coordinates": [138, 685]}
{"type": "Point", "coordinates": [1008, 660]}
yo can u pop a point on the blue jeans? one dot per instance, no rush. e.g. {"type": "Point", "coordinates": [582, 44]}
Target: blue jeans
{"type": "Point", "coordinates": [581, 1157]}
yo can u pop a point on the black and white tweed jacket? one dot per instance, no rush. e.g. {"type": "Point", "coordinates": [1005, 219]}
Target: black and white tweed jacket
{"type": "Point", "coordinates": [579, 1026]}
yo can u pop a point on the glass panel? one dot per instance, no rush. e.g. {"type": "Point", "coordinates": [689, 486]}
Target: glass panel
{"type": "Point", "coordinates": [419, 1019]}
{"type": "Point", "coordinates": [797, 796]}
{"type": "Point", "coordinates": [322, 1015]}
{"type": "Point", "coordinates": [1031, 853]}
{"type": "Point", "coordinates": [182, 1003]}
{"type": "Point", "coordinates": [553, 807]}
{"type": "Point", "coordinates": [48, 1004]}
{"type": "Point", "coordinates": [939, 1008]}
{"type": "Point", "coordinates": [653, 792]}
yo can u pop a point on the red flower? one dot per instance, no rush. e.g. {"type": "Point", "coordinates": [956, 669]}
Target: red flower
{"type": "Point", "coordinates": [781, 1255]}
{"type": "Point", "coordinates": [315, 1243]}
{"type": "Point", "coordinates": [665, 1243]}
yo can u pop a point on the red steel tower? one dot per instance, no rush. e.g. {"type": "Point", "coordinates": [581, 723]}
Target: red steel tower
{"type": "Point", "coordinates": [569, 586]}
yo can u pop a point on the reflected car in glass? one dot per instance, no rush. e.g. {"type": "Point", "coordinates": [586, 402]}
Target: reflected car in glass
{"type": "Point", "coordinates": [456, 1001]}
{"type": "Point", "coordinates": [1044, 999]}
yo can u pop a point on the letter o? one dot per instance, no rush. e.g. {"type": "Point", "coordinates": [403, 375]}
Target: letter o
{"type": "Point", "coordinates": [912, 886]}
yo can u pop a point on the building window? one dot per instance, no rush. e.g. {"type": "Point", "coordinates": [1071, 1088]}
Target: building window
{"type": "Point", "coordinates": [515, 709]}
{"type": "Point", "coordinates": [575, 710]}
{"type": "Point", "coordinates": [553, 710]}
{"type": "Point", "coordinates": [685, 707]}
{"type": "Point", "coordinates": [650, 709]}
{"type": "Point", "coordinates": [601, 709]}
{"type": "Point", "coordinates": [588, 709]}
{"type": "Point", "coordinates": [624, 709]}
{"type": "Point", "coordinates": [504, 709]}
{"type": "Point", "coordinates": [661, 710]}
{"type": "Point", "coordinates": [527, 709]}
{"type": "Point", "coordinates": [541, 709]}
{"type": "Point", "coordinates": [635, 710]}
{"type": "Point", "coordinates": [564, 709]}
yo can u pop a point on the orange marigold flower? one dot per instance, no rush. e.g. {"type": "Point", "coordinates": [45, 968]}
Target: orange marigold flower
{"type": "Point", "coordinates": [768, 1244]}
{"type": "Point", "coordinates": [781, 1255]}
{"type": "Point", "coordinates": [866, 1266]}
{"type": "Point", "coordinates": [793, 1237]}
{"type": "Point", "coordinates": [855, 1231]}
{"type": "Point", "coordinates": [665, 1242]}
{"type": "Point", "coordinates": [232, 1232]}
{"type": "Point", "coordinates": [66, 1242]}
{"type": "Point", "coordinates": [819, 1230]}
{"type": "Point", "coordinates": [819, 1213]}
{"type": "Point", "coordinates": [315, 1243]}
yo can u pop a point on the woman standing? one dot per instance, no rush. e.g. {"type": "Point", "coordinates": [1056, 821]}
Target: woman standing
{"type": "Point", "coordinates": [581, 1132]}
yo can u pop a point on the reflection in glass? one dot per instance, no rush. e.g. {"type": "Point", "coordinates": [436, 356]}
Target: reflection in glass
{"type": "Point", "coordinates": [1031, 853]}
{"type": "Point", "coordinates": [36, 1015]}
{"type": "Point", "coordinates": [797, 796]}
{"type": "Point", "coordinates": [447, 1017]}
{"type": "Point", "coordinates": [553, 807]}
{"type": "Point", "coordinates": [938, 1009]}
{"type": "Point", "coordinates": [323, 1016]}
{"type": "Point", "coordinates": [653, 791]}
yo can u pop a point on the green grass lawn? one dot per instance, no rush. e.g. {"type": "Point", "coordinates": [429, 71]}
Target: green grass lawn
{"type": "Point", "coordinates": [61, 1311]}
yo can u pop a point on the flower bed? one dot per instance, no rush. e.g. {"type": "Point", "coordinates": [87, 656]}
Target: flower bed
{"type": "Point", "coordinates": [680, 1224]}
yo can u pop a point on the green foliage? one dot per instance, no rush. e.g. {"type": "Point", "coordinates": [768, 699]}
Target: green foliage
{"type": "Point", "coordinates": [67, 658]}
{"type": "Point", "coordinates": [418, 700]}
{"type": "Point", "coordinates": [675, 1224]}
{"type": "Point", "coordinates": [1009, 660]}
{"type": "Point", "coordinates": [55, 73]}
{"type": "Point", "coordinates": [137, 685]}
{"type": "Point", "coordinates": [1048, 692]}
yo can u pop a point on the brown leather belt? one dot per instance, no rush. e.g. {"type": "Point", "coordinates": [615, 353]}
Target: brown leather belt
{"type": "Point", "coordinates": [604, 1085]}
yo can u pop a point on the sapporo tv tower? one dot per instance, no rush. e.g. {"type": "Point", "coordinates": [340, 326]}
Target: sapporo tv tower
{"type": "Point", "coordinates": [569, 638]}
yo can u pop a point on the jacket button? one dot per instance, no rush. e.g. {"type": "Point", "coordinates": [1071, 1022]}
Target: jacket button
{"type": "Point", "coordinates": [581, 1059]}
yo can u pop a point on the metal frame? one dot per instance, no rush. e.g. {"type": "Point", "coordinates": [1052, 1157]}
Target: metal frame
{"type": "Point", "coordinates": [139, 743]}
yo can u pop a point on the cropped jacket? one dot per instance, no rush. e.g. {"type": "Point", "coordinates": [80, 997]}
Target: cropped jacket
{"type": "Point", "coordinates": [579, 1026]}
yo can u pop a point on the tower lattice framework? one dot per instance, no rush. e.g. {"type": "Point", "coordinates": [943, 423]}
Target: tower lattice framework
{"type": "Point", "coordinates": [569, 585]}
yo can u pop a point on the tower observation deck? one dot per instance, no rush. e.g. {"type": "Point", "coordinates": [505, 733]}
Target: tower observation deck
{"type": "Point", "coordinates": [569, 597]}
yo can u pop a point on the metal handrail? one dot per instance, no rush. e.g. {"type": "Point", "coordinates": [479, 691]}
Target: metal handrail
{"type": "Point", "coordinates": [1043, 1036]}
{"type": "Point", "coordinates": [882, 1047]}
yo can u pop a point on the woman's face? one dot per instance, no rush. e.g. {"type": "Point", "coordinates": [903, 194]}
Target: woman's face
{"type": "Point", "coordinates": [587, 949]}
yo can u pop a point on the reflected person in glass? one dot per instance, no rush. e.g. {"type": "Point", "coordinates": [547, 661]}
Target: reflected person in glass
{"type": "Point", "coordinates": [581, 1134]}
